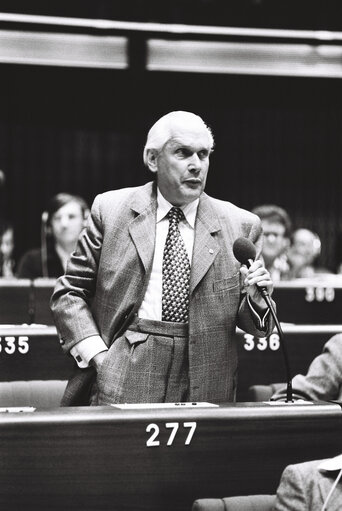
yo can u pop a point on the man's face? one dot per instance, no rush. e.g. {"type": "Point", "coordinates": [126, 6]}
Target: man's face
{"type": "Point", "coordinates": [67, 223]}
{"type": "Point", "coordinates": [182, 165]}
{"type": "Point", "coordinates": [275, 242]}
{"type": "Point", "coordinates": [303, 250]}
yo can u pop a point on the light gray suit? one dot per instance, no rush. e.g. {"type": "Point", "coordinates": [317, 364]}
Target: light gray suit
{"type": "Point", "coordinates": [107, 276]}
{"type": "Point", "coordinates": [304, 487]}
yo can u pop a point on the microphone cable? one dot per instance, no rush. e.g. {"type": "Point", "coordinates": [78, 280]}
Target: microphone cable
{"type": "Point", "coordinates": [43, 244]}
{"type": "Point", "coordinates": [331, 490]}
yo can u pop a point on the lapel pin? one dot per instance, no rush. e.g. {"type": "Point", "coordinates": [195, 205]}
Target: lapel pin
{"type": "Point", "coordinates": [211, 251]}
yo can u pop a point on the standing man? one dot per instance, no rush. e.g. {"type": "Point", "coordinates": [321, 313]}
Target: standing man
{"type": "Point", "coordinates": [153, 294]}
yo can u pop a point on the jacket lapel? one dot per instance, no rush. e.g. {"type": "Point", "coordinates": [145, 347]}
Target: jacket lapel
{"type": "Point", "coordinates": [143, 227]}
{"type": "Point", "coordinates": [205, 246]}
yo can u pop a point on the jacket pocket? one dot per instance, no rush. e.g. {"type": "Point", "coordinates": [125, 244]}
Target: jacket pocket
{"type": "Point", "coordinates": [227, 283]}
{"type": "Point", "coordinates": [135, 338]}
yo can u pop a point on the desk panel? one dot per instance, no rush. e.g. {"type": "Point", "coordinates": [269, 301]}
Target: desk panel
{"type": "Point", "coordinates": [32, 353]}
{"type": "Point", "coordinates": [310, 301]}
{"type": "Point", "coordinates": [261, 360]}
{"type": "Point", "coordinates": [43, 289]}
{"type": "Point", "coordinates": [104, 458]}
{"type": "Point", "coordinates": [15, 300]}
{"type": "Point", "coordinates": [26, 301]}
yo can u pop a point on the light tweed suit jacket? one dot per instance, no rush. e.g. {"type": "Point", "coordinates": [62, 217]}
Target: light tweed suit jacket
{"type": "Point", "coordinates": [305, 486]}
{"type": "Point", "coordinates": [107, 276]}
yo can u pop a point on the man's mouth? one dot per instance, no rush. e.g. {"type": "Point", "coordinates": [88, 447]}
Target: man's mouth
{"type": "Point", "coordinates": [193, 181]}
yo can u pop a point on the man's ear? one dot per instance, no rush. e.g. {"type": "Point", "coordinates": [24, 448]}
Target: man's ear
{"type": "Point", "coordinates": [152, 159]}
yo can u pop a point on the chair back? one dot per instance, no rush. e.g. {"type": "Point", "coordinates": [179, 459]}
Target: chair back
{"type": "Point", "coordinates": [36, 393]}
{"type": "Point", "coordinates": [243, 503]}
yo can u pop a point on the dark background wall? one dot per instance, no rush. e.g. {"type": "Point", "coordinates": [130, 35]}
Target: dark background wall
{"type": "Point", "coordinates": [278, 139]}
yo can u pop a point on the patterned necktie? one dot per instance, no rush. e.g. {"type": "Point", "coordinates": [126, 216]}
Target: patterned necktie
{"type": "Point", "coordinates": [176, 272]}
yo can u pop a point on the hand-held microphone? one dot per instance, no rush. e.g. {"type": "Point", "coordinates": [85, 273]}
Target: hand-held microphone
{"type": "Point", "coordinates": [245, 252]}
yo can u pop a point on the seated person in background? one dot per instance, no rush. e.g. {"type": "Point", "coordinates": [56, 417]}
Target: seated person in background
{"type": "Point", "coordinates": [6, 249]}
{"type": "Point", "coordinates": [62, 224]}
{"type": "Point", "coordinates": [323, 381]}
{"type": "Point", "coordinates": [304, 250]}
{"type": "Point", "coordinates": [311, 486]}
{"type": "Point", "coordinates": [276, 226]}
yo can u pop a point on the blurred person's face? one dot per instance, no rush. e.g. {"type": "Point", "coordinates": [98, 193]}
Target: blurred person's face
{"type": "Point", "coordinates": [7, 244]}
{"type": "Point", "coordinates": [303, 250]}
{"type": "Point", "coordinates": [67, 223]}
{"type": "Point", "coordinates": [182, 165]}
{"type": "Point", "coordinates": [275, 242]}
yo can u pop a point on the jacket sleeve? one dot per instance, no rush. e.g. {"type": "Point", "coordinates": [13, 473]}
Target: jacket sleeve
{"type": "Point", "coordinates": [291, 491]}
{"type": "Point", "coordinates": [323, 380]}
{"type": "Point", "coordinates": [73, 293]}
{"type": "Point", "coordinates": [248, 319]}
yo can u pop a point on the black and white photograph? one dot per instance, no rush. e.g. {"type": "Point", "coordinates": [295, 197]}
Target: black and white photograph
{"type": "Point", "coordinates": [170, 255]}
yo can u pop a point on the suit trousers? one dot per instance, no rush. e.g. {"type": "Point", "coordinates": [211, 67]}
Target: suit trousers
{"type": "Point", "coordinates": [149, 363]}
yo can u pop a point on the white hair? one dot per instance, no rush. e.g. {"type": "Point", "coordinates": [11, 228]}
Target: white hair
{"type": "Point", "coordinates": [162, 130]}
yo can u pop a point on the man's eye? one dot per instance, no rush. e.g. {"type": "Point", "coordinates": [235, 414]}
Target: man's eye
{"type": "Point", "coordinates": [182, 152]}
{"type": "Point", "coordinates": [203, 155]}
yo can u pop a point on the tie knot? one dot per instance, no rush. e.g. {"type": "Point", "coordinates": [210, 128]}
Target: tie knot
{"type": "Point", "coordinates": [175, 215]}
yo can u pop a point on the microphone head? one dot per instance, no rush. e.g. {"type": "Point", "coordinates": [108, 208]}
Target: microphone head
{"type": "Point", "coordinates": [243, 250]}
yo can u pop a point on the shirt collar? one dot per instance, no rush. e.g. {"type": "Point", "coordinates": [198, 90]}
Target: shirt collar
{"type": "Point", "coordinates": [164, 206]}
{"type": "Point", "coordinates": [332, 463]}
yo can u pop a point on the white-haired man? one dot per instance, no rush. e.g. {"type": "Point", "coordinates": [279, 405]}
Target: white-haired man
{"type": "Point", "coordinates": [152, 295]}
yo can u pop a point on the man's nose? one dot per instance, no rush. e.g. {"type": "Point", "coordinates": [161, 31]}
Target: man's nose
{"type": "Point", "coordinates": [195, 164]}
